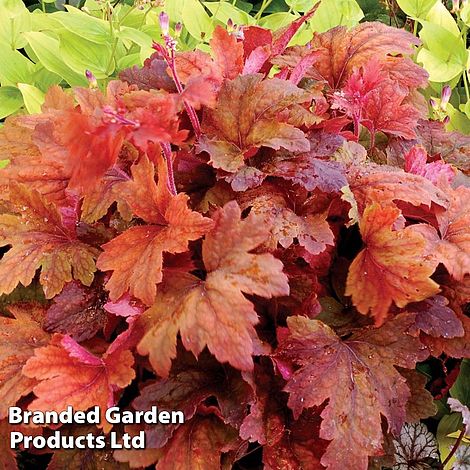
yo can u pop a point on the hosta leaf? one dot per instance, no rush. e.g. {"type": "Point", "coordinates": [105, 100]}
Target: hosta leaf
{"type": "Point", "coordinates": [333, 13]}
{"type": "Point", "coordinates": [416, 8]}
{"type": "Point", "coordinates": [215, 312]}
{"type": "Point", "coordinates": [11, 100]}
{"type": "Point", "coordinates": [356, 376]}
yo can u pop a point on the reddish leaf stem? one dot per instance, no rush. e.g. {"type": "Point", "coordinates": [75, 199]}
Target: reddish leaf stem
{"type": "Point", "coordinates": [454, 449]}
{"type": "Point", "coordinates": [167, 155]}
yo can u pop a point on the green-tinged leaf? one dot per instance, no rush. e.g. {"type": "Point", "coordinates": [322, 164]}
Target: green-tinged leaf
{"type": "Point", "coordinates": [222, 11]}
{"type": "Point", "coordinates": [44, 79]}
{"type": "Point", "coordinates": [466, 108]}
{"type": "Point", "coordinates": [132, 35]}
{"type": "Point", "coordinates": [85, 26]}
{"type": "Point", "coordinates": [277, 20]}
{"type": "Point", "coordinates": [129, 61]}
{"type": "Point", "coordinates": [461, 387]}
{"type": "Point", "coordinates": [41, 21]}
{"type": "Point", "coordinates": [458, 121]}
{"type": "Point", "coordinates": [443, 56]}
{"type": "Point", "coordinates": [465, 14]}
{"type": "Point", "coordinates": [33, 97]}
{"type": "Point", "coordinates": [300, 5]}
{"type": "Point", "coordinates": [80, 55]}
{"type": "Point", "coordinates": [416, 8]}
{"type": "Point", "coordinates": [15, 19]}
{"type": "Point", "coordinates": [447, 425]}
{"type": "Point", "coordinates": [332, 13]}
{"type": "Point", "coordinates": [196, 20]}
{"type": "Point", "coordinates": [439, 15]}
{"type": "Point", "coordinates": [10, 100]}
{"type": "Point", "coordinates": [15, 67]}
{"type": "Point", "coordinates": [47, 50]}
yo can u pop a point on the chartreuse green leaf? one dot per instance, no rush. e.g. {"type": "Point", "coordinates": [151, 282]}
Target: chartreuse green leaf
{"type": "Point", "coordinates": [332, 13]}
{"type": "Point", "coordinates": [83, 25]}
{"type": "Point", "coordinates": [80, 54]}
{"type": "Point", "coordinates": [33, 97]}
{"type": "Point", "coordinates": [47, 50]}
{"type": "Point", "coordinates": [444, 56]}
{"type": "Point", "coordinates": [466, 109]}
{"type": "Point", "coordinates": [15, 19]}
{"type": "Point", "coordinates": [300, 5]}
{"type": "Point", "coordinates": [465, 14]}
{"type": "Point", "coordinates": [222, 11]}
{"type": "Point", "coordinates": [440, 15]}
{"type": "Point", "coordinates": [11, 100]}
{"type": "Point", "coordinates": [15, 67]}
{"type": "Point", "coordinates": [416, 8]}
{"type": "Point", "coordinates": [458, 121]}
{"type": "Point", "coordinates": [277, 20]}
{"type": "Point", "coordinates": [43, 78]}
{"type": "Point", "coordinates": [196, 20]}
{"type": "Point", "coordinates": [448, 425]}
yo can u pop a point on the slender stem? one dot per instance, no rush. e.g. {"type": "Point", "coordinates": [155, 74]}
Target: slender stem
{"type": "Point", "coordinates": [189, 109]}
{"type": "Point", "coordinates": [167, 155]}
{"type": "Point", "coordinates": [415, 27]}
{"type": "Point", "coordinates": [454, 449]}
{"type": "Point", "coordinates": [263, 7]}
{"type": "Point", "coordinates": [465, 82]}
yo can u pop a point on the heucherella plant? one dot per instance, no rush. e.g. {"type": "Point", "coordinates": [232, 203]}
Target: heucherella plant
{"type": "Point", "coordinates": [267, 237]}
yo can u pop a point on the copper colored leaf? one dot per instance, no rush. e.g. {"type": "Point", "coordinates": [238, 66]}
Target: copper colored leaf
{"type": "Point", "coordinates": [69, 375]}
{"type": "Point", "coordinates": [214, 312]}
{"type": "Point", "coordinates": [250, 113]}
{"type": "Point", "coordinates": [87, 458]}
{"type": "Point", "coordinates": [454, 347]}
{"type": "Point", "coordinates": [435, 318]}
{"type": "Point", "coordinates": [421, 403]}
{"type": "Point", "coordinates": [452, 147]}
{"type": "Point", "coordinates": [342, 50]}
{"type": "Point", "coordinates": [25, 143]}
{"type": "Point", "coordinates": [356, 376]}
{"type": "Point", "coordinates": [312, 231]}
{"type": "Point", "coordinates": [391, 268]}
{"type": "Point", "coordinates": [382, 184]}
{"type": "Point", "coordinates": [151, 76]}
{"type": "Point", "coordinates": [42, 236]}
{"type": "Point", "coordinates": [19, 337]}
{"type": "Point", "coordinates": [198, 445]}
{"type": "Point", "coordinates": [190, 383]}
{"type": "Point", "coordinates": [136, 256]}
{"type": "Point", "coordinates": [228, 53]}
{"type": "Point", "coordinates": [76, 311]}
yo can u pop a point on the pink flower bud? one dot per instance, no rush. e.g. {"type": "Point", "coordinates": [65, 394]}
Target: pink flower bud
{"type": "Point", "coordinates": [455, 6]}
{"type": "Point", "coordinates": [93, 83]}
{"type": "Point", "coordinates": [178, 29]}
{"type": "Point", "coordinates": [445, 96]}
{"type": "Point", "coordinates": [446, 120]}
{"type": "Point", "coordinates": [433, 104]}
{"type": "Point", "coordinates": [230, 25]}
{"type": "Point", "coordinates": [164, 21]}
